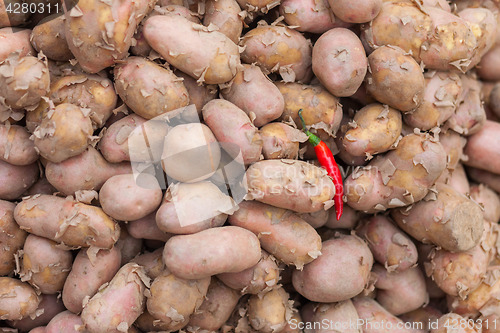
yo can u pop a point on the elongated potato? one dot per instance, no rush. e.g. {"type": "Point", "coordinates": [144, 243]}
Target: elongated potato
{"type": "Point", "coordinates": [290, 184]}
{"type": "Point", "coordinates": [18, 299]}
{"type": "Point", "coordinates": [16, 179]}
{"type": "Point", "coordinates": [90, 270]}
{"type": "Point", "coordinates": [66, 221]}
{"type": "Point", "coordinates": [224, 14]}
{"type": "Point", "coordinates": [210, 57]}
{"type": "Point", "coordinates": [281, 141]}
{"type": "Point", "coordinates": [255, 94]}
{"type": "Point", "coordinates": [11, 236]}
{"type": "Point", "coordinates": [338, 316]}
{"type": "Point", "coordinates": [16, 147]}
{"type": "Point", "coordinates": [281, 233]}
{"type": "Point", "coordinates": [117, 305]}
{"type": "Point", "coordinates": [48, 37]}
{"type": "Point", "coordinates": [48, 308]}
{"type": "Point", "coordinates": [269, 312]}
{"type": "Point", "coordinates": [278, 49]}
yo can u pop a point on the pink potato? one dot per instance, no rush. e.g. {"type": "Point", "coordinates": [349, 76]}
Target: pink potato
{"type": "Point", "coordinates": [356, 12]}
{"type": "Point", "coordinates": [16, 179]}
{"type": "Point", "coordinates": [481, 148]}
{"type": "Point", "coordinates": [146, 228]}
{"type": "Point", "coordinates": [18, 299]}
{"type": "Point", "coordinates": [224, 14]}
{"type": "Point", "coordinates": [66, 322]}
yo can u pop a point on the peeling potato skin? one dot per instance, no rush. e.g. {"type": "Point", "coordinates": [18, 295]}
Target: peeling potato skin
{"type": "Point", "coordinates": [262, 6]}
{"type": "Point", "coordinates": [225, 15]}
{"type": "Point", "coordinates": [359, 12]}
{"type": "Point", "coordinates": [395, 79]}
{"type": "Point", "coordinates": [16, 148]}
{"type": "Point", "coordinates": [341, 312]}
{"type": "Point", "coordinates": [152, 262]}
{"type": "Point", "coordinates": [372, 312]}
{"type": "Point", "coordinates": [50, 217]}
{"type": "Point", "coordinates": [18, 299]}
{"type": "Point", "coordinates": [333, 277]}
{"type": "Point", "coordinates": [15, 40]}
{"type": "Point", "coordinates": [339, 61]}
{"type": "Point", "coordinates": [121, 302]}
{"type": "Point", "coordinates": [210, 57]}
{"type": "Point", "coordinates": [48, 37]}
{"type": "Point", "coordinates": [51, 305]}
{"type": "Point", "coordinates": [16, 179]}
{"type": "Point", "coordinates": [85, 22]}
{"type": "Point", "coordinates": [281, 233]}
{"type": "Point", "coordinates": [270, 311]}
{"type": "Point", "coordinates": [375, 128]}
{"type": "Point", "coordinates": [11, 237]}
{"type": "Point", "coordinates": [281, 141]}
{"type": "Point", "coordinates": [481, 148]}
{"type": "Point", "coordinates": [278, 49]}
{"type": "Point", "coordinates": [149, 89]}
{"type": "Point", "coordinates": [483, 24]}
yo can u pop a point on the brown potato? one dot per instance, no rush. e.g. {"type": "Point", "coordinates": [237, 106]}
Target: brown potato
{"type": "Point", "coordinates": [152, 262]}
{"type": "Point", "coordinates": [281, 141]}
{"type": "Point", "coordinates": [48, 37]}
{"type": "Point", "coordinates": [340, 317]}
{"type": "Point", "coordinates": [18, 299]}
{"type": "Point", "coordinates": [483, 23]}
{"type": "Point", "coordinates": [11, 236]}
{"type": "Point", "coordinates": [224, 14]}
{"type": "Point", "coordinates": [16, 179]}
{"type": "Point", "coordinates": [269, 312]}
{"type": "Point", "coordinates": [128, 246]}
{"type": "Point", "coordinates": [16, 147]}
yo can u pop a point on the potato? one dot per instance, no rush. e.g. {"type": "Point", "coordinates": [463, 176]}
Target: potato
{"type": "Point", "coordinates": [45, 266]}
{"type": "Point", "coordinates": [440, 99]}
{"type": "Point", "coordinates": [452, 322]}
{"type": "Point", "coordinates": [384, 182]}
{"type": "Point", "coordinates": [152, 262]}
{"type": "Point", "coordinates": [270, 311]}
{"type": "Point", "coordinates": [11, 236]}
{"type": "Point", "coordinates": [198, 95]}
{"type": "Point", "coordinates": [87, 171]}
{"type": "Point", "coordinates": [146, 228]}
{"type": "Point", "coordinates": [230, 124]}
{"type": "Point", "coordinates": [128, 246]}
{"type": "Point", "coordinates": [224, 250]}
{"type": "Point", "coordinates": [66, 221]}
{"type": "Point", "coordinates": [398, 82]}
{"type": "Point", "coordinates": [279, 49]}
{"type": "Point", "coordinates": [483, 23]}
{"type": "Point", "coordinates": [259, 278]}
{"type": "Point", "coordinates": [15, 40]}
{"type": "Point", "coordinates": [480, 148]}
{"type": "Point", "coordinates": [390, 246]}
{"type": "Point", "coordinates": [190, 153]}
{"type": "Point", "coordinates": [458, 180]}
{"type": "Point", "coordinates": [316, 219]}
{"type": "Point", "coordinates": [281, 141]}
{"type": "Point", "coordinates": [190, 208]}
{"type": "Point", "coordinates": [219, 303]}
{"type": "Point", "coordinates": [487, 69]}
{"type": "Point", "coordinates": [63, 133]}
{"type": "Point", "coordinates": [16, 148]}
{"type": "Point", "coordinates": [290, 184]}
{"type": "Point", "coordinates": [86, 22]}
{"type": "Point", "coordinates": [339, 61]}
{"type": "Point", "coordinates": [375, 319]}
{"type": "Point", "coordinates": [281, 233]}
{"type": "Point", "coordinates": [255, 94]}
{"type": "Point", "coordinates": [48, 308]}
{"type": "Point", "coordinates": [18, 299]}
{"type": "Point", "coordinates": [23, 81]}
{"type": "Point", "coordinates": [310, 15]}
{"type": "Point", "coordinates": [447, 218]}
{"type": "Point", "coordinates": [348, 220]}
{"type": "Point", "coordinates": [374, 129]}
{"type": "Point", "coordinates": [488, 200]}
{"type": "Point", "coordinates": [224, 14]}
{"type": "Point", "coordinates": [165, 305]}
{"type": "Point", "coordinates": [48, 37]}
{"type": "Point", "coordinates": [363, 11]}
{"type": "Point", "coordinates": [488, 178]}
{"type": "Point", "coordinates": [336, 275]}
{"type": "Point", "coordinates": [16, 179]}
{"type": "Point", "coordinates": [337, 315]}
{"type": "Point", "coordinates": [210, 57]}
{"type": "Point", "coordinates": [117, 305]}
{"type": "Point", "coordinates": [65, 322]}
{"type": "Point", "coordinates": [91, 269]}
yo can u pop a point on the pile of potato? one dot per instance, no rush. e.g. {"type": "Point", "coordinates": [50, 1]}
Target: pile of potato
{"type": "Point", "coordinates": [121, 119]}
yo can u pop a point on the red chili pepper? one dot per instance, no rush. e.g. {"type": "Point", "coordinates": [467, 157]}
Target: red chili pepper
{"type": "Point", "coordinates": [327, 161]}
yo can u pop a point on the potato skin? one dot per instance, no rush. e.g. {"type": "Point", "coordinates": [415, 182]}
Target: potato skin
{"type": "Point", "coordinates": [339, 61]}
{"type": "Point", "coordinates": [48, 36]}
{"type": "Point", "coordinates": [149, 89]}
{"type": "Point", "coordinates": [281, 141]}
{"type": "Point", "coordinates": [225, 249]}
{"type": "Point", "coordinates": [481, 150]}
{"type": "Point", "coordinates": [333, 277]}
{"type": "Point", "coordinates": [152, 262]}
{"type": "Point", "coordinates": [287, 184]}
{"type": "Point", "coordinates": [225, 15]}
{"type": "Point", "coordinates": [65, 321]}
{"type": "Point", "coordinates": [281, 233]}
{"type": "Point", "coordinates": [399, 82]}
{"type": "Point", "coordinates": [16, 179]}
{"type": "Point", "coordinates": [269, 312]}
{"type": "Point", "coordinates": [211, 56]}
{"type": "Point", "coordinates": [361, 12]}
{"type": "Point", "coordinates": [11, 236]}
{"type": "Point", "coordinates": [18, 299]}
{"type": "Point", "coordinates": [278, 49]}
{"type": "Point", "coordinates": [15, 145]}
{"type": "Point", "coordinates": [15, 39]}
{"type": "Point", "coordinates": [55, 218]}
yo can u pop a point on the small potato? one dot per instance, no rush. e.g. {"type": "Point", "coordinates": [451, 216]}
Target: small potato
{"type": "Point", "coordinates": [375, 129]}
{"type": "Point", "coordinates": [16, 179]}
{"type": "Point", "coordinates": [481, 148]}
{"type": "Point", "coordinates": [165, 305]}
{"type": "Point", "coordinates": [488, 200]}
{"type": "Point", "coordinates": [86, 23]}
{"type": "Point", "coordinates": [281, 141]}
{"type": "Point", "coordinates": [224, 14]}
{"type": "Point", "coordinates": [269, 312]}
{"type": "Point", "coordinates": [48, 308]}
{"type": "Point", "coordinates": [361, 12]}
{"type": "Point", "coordinates": [15, 40]}
{"type": "Point", "coordinates": [152, 262]}
{"type": "Point", "coordinates": [210, 57]}
{"type": "Point", "coordinates": [63, 133]}
{"type": "Point", "coordinates": [290, 184]}
{"type": "Point", "coordinates": [390, 246]}
{"type": "Point", "coordinates": [66, 221]}
{"type": "Point", "coordinates": [341, 313]}
{"type": "Point", "coordinates": [11, 236]}
{"type": "Point", "coordinates": [224, 250]}
{"type": "Point", "coordinates": [44, 265]}
{"type": "Point", "coordinates": [18, 299]}
{"type": "Point", "coordinates": [149, 89]}
{"type": "Point", "coordinates": [87, 171]}
{"type": "Point", "coordinates": [373, 315]}
{"type": "Point", "coordinates": [190, 208]}
{"type": "Point", "coordinates": [16, 147]}
{"type": "Point", "coordinates": [336, 275]}
{"type": "Point", "coordinates": [339, 61]}
{"type": "Point", "coordinates": [230, 124]}
{"type": "Point", "coordinates": [90, 270]}
{"type": "Point", "coordinates": [255, 94]}
{"type": "Point", "coordinates": [117, 305]}
{"type": "Point", "coordinates": [397, 82]}
{"type": "Point", "coordinates": [261, 277]}
{"type": "Point", "coordinates": [66, 322]}
{"type": "Point", "coordinates": [281, 233]}
{"type": "Point", "coordinates": [146, 228]}
{"type": "Point", "coordinates": [278, 49]}
{"type": "Point", "coordinates": [48, 37]}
